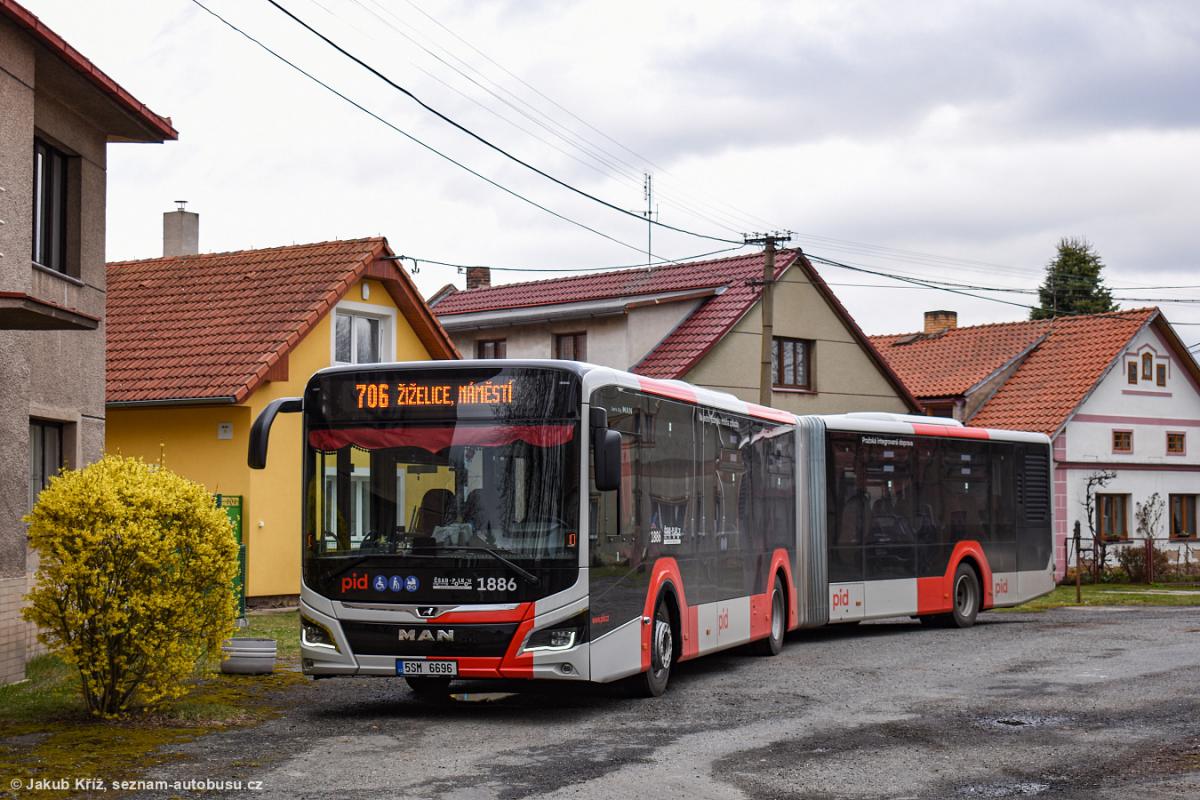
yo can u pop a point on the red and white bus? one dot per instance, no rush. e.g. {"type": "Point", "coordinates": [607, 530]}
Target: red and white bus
{"type": "Point", "coordinates": [558, 520]}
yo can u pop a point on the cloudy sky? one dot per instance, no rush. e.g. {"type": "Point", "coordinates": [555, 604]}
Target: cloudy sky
{"type": "Point", "coordinates": [948, 140]}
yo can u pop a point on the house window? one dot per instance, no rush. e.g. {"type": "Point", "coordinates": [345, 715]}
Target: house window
{"type": "Point", "coordinates": [49, 206]}
{"type": "Point", "coordinates": [359, 338]}
{"type": "Point", "coordinates": [791, 363]}
{"type": "Point", "coordinates": [45, 455]}
{"type": "Point", "coordinates": [1160, 375]}
{"type": "Point", "coordinates": [1131, 372]}
{"type": "Point", "coordinates": [1112, 515]}
{"type": "Point", "coordinates": [570, 346]}
{"type": "Point", "coordinates": [490, 348]}
{"type": "Point", "coordinates": [1122, 441]}
{"type": "Point", "coordinates": [1147, 366]}
{"type": "Point", "coordinates": [1176, 443]}
{"type": "Point", "coordinates": [1183, 516]}
{"type": "Point", "coordinates": [940, 410]}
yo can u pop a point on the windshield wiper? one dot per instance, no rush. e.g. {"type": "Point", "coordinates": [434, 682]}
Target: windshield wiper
{"type": "Point", "coordinates": [515, 567]}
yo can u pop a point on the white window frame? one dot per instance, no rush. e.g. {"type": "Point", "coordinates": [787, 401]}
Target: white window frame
{"type": "Point", "coordinates": [387, 318]}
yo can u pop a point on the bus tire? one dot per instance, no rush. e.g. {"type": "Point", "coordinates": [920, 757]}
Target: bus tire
{"type": "Point", "coordinates": [429, 688]}
{"type": "Point", "coordinates": [773, 644]}
{"type": "Point", "coordinates": [653, 682]}
{"type": "Point", "coordinates": [967, 597]}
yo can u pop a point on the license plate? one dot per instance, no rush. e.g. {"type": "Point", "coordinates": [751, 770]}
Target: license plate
{"type": "Point", "coordinates": [440, 669]}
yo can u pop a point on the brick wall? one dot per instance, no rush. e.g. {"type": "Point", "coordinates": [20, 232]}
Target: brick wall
{"type": "Point", "coordinates": [14, 631]}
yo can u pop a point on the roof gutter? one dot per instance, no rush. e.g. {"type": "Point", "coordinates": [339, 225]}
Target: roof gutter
{"type": "Point", "coordinates": [174, 401]}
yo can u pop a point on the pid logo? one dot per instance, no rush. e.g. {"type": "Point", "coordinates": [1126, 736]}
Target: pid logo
{"type": "Point", "coordinates": [1001, 586]}
{"type": "Point", "coordinates": [355, 582]}
{"type": "Point", "coordinates": [723, 620]}
{"type": "Point", "coordinates": [841, 599]}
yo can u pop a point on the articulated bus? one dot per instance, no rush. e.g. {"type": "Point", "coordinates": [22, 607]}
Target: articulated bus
{"type": "Point", "coordinates": [558, 520]}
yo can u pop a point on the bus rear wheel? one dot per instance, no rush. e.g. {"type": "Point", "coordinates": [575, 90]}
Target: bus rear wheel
{"type": "Point", "coordinates": [653, 682]}
{"type": "Point", "coordinates": [966, 595]}
{"type": "Point", "coordinates": [773, 644]}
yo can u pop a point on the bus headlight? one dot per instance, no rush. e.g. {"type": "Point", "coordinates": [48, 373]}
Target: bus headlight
{"type": "Point", "coordinates": [314, 634]}
{"type": "Point", "coordinates": [562, 636]}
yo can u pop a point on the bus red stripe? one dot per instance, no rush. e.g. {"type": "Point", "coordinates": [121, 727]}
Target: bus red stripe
{"type": "Point", "coordinates": [949, 431]}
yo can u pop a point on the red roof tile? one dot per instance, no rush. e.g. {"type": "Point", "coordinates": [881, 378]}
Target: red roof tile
{"type": "Point", "coordinates": [159, 127]}
{"type": "Point", "coordinates": [209, 326]}
{"type": "Point", "coordinates": [1047, 387]}
{"type": "Point", "coordinates": [950, 363]}
{"type": "Point", "coordinates": [737, 278]}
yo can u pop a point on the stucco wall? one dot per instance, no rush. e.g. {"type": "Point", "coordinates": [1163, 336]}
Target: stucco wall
{"type": "Point", "coordinates": [846, 378]}
{"type": "Point", "coordinates": [1149, 411]}
{"type": "Point", "coordinates": [52, 375]}
{"type": "Point", "coordinates": [619, 341]}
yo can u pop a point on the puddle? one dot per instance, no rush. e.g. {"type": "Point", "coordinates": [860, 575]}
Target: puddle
{"type": "Point", "coordinates": [482, 697]}
{"type": "Point", "coordinates": [1020, 721]}
{"type": "Point", "coordinates": [1019, 789]}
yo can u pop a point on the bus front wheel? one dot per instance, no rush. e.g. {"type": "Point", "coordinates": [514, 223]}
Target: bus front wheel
{"type": "Point", "coordinates": [653, 682]}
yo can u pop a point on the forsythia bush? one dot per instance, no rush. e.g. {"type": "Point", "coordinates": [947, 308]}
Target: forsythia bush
{"type": "Point", "coordinates": [134, 583]}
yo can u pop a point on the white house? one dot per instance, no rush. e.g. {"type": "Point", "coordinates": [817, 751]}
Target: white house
{"type": "Point", "coordinates": [1118, 393]}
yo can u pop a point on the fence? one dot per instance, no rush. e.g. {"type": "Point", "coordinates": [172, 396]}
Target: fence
{"type": "Point", "coordinates": [1132, 560]}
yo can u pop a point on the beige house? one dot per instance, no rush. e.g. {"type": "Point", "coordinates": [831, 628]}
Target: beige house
{"type": "Point", "coordinates": [58, 112]}
{"type": "Point", "coordinates": [698, 321]}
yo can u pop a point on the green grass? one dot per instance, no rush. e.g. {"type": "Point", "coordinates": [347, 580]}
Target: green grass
{"type": "Point", "coordinates": [282, 626]}
{"type": "Point", "coordinates": [1115, 594]}
{"type": "Point", "coordinates": [46, 731]}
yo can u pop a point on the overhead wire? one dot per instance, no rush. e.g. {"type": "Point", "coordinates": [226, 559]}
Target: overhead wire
{"type": "Point", "coordinates": [483, 140]}
{"type": "Point", "coordinates": [414, 139]}
{"type": "Point", "coordinates": [609, 268]}
{"type": "Point", "coordinates": [738, 213]}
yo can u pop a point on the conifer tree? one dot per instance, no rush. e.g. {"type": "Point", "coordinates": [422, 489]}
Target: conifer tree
{"type": "Point", "coordinates": [1073, 283]}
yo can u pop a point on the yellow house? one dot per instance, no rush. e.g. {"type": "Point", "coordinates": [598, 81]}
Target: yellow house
{"type": "Point", "coordinates": [198, 344]}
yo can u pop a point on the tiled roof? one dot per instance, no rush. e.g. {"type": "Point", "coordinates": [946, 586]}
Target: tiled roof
{"type": "Point", "coordinates": [1050, 383]}
{"type": "Point", "coordinates": [159, 127]}
{"type": "Point", "coordinates": [210, 326]}
{"type": "Point", "coordinates": [737, 278]}
{"type": "Point", "coordinates": [950, 363]}
{"type": "Point", "coordinates": [604, 285]}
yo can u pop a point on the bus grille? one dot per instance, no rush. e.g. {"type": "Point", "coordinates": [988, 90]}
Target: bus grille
{"type": "Point", "coordinates": [380, 639]}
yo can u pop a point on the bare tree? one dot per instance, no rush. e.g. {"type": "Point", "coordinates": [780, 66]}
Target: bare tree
{"type": "Point", "coordinates": [1149, 516]}
{"type": "Point", "coordinates": [1097, 480]}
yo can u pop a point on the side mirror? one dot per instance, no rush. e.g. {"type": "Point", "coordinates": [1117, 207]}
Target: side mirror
{"type": "Point", "coordinates": [260, 432]}
{"type": "Point", "coordinates": [606, 449]}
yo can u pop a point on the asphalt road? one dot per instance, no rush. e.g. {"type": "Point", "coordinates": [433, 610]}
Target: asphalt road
{"type": "Point", "coordinates": [1072, 703]}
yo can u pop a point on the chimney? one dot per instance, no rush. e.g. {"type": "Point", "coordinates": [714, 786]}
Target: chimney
{"type": "Point", "coordinates": [938, 321]}
{"type": "Point", "coordinates": [479, 277]}
{"type": "Point", "coordinates": [181, 232]}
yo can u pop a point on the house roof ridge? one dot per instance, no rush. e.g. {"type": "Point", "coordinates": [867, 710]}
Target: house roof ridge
{"type": "Point", "coordinates": [248, 250]}
{"type": "Point", "coordinates": [482, 290]}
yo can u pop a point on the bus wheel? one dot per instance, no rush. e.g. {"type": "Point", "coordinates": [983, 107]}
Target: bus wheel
{"type": "Point", "coordinates": [653, 682]}
{"type": "Point", "coordinates": [429, 688]}
{"type": "Point", "coordinates": [773, 644]}
{"type": "Point", "coordinates": [966, 597]}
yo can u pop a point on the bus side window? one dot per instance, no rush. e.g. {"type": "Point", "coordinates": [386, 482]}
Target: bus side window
{"type": "Point", "coordinates": [848, 508]}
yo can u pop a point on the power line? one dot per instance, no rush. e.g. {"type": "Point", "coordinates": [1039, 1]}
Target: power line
{"type": "Point", "coordinates": [738, 212]}
{"type": "Point", "coordinates": [567, 135]}
{"type": "Point", "coordinates": [414, 139]}
{"type": "Point", "coordinates": [611, 268]}
{"type": "Point", "coordinates": [481, 139]}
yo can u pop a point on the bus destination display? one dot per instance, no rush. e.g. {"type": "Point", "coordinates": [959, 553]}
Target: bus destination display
{"type": "Point", "coordinates": [380, 396]}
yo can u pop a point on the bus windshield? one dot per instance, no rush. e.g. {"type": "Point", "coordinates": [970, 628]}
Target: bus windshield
{"type": "Point", "coordinates": [433, 507]}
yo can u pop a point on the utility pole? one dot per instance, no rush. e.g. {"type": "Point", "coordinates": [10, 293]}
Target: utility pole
{"type": "Point", "coordinates": [648, 191]}
{"type": "Point", "coordinates": [768, 241]}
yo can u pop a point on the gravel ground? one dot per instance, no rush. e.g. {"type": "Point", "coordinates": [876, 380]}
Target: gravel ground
{"type": "Point", "coordinates": [1072, 703]}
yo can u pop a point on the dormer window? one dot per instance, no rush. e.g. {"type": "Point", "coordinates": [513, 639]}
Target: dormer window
{"type": "Point", "coordinates": [1147, 367]}
{"type": "Point", "coordinates": [1132, 372]}
{"type": "Point", "coordinates": [1160, 375]}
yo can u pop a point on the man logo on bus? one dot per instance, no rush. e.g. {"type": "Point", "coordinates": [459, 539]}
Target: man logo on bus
{"type": "Point", "coordinates": [354, 581]}
{"type": "Point", "coordinates": [841, 599]}
{"type": "Point", "coordinates": [397, 583]}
